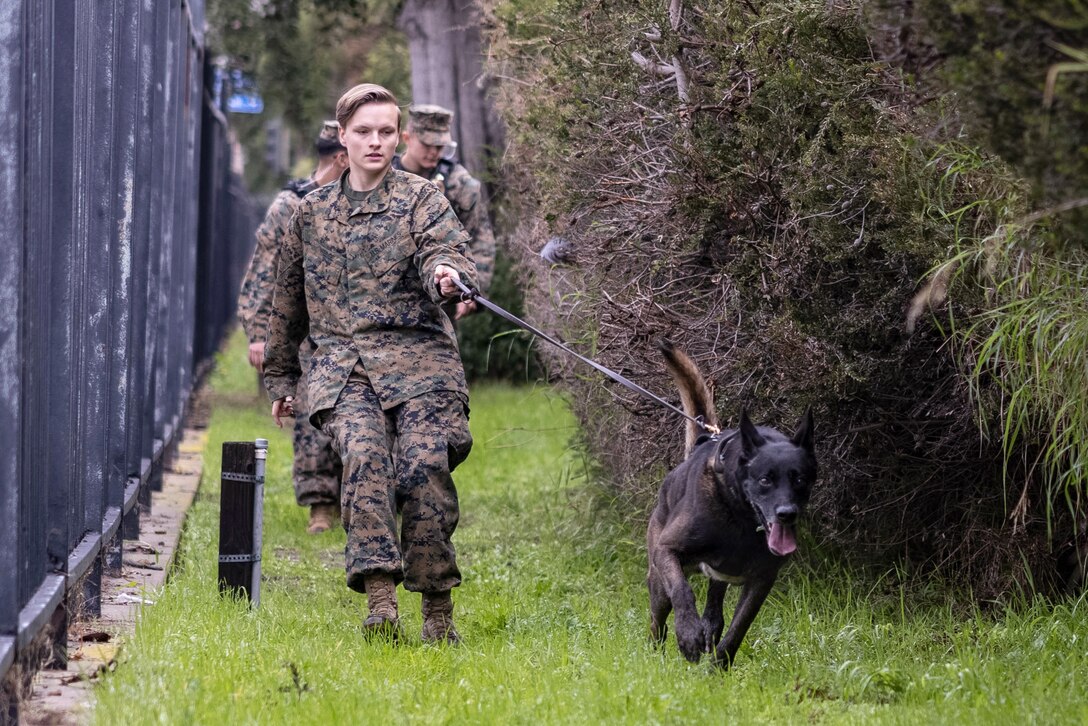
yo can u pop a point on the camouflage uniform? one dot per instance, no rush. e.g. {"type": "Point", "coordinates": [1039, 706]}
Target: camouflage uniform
{"type": "Point", "coordinates": [356, 274]}
{"type": "Point", "coordinates": [316, 470]}
{"type": "Point", "coordinates": [464, 192]}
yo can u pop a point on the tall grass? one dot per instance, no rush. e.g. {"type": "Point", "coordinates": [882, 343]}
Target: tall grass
{"type": "Point", "coordinates": [1022, 332]}
{"type": "Point", "coordinates": [554, 616]}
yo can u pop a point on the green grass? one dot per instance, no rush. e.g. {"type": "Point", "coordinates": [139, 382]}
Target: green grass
{"type": "Point", "coordinates": [553, 613]}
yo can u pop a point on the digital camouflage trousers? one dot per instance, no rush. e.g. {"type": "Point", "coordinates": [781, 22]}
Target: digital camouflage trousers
{"type": "Point", "coordinates": [317, 469]}
{"type": "Point", "coordinates": [399, 462]}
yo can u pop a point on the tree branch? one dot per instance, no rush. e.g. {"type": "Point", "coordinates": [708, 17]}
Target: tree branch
{"type": "Point", "coordinates": [681, 80]}
{"type": "Point", "coordinates": [675, 11]}
{"type": "Point", "coordinates": [658, 69]}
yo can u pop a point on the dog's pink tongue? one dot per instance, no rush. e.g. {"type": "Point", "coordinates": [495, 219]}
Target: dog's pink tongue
{"type": "Point", "coordinates": [780, 539]}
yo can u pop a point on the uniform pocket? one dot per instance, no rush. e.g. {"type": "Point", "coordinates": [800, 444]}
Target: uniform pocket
{"type": "Point", "coordinates": [396, 261]}
{"type": "Point", "coordinates": [324, 272]}
{"type": "Point", "coordinates": [458, 437]}
{"type": "Point", "coordinates": [394, 258]}
{"type": "Point", "coordinates": [390, 247]}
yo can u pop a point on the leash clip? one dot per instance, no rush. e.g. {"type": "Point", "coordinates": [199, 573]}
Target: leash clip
{"type": "Point", "coordinates": [467, 293]}
{"type": "Point", "coordinates": [714, 431]}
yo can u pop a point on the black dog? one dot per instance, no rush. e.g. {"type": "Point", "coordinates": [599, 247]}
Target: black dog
{"type": "Point", "coordinates": [729, 510]}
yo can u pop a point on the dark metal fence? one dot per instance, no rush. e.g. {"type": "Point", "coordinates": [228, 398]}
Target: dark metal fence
{"type": "Point", "coordinates": [126, 233]}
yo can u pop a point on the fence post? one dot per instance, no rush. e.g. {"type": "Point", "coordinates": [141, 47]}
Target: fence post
{"type": "Point", "coordinates": [241, 518]}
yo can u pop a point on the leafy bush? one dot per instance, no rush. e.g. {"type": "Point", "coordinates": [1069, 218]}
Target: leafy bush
{"type": "Point", "coordinates": [491, 347]}
{"type": "Point", "coordinates": [773, 208]}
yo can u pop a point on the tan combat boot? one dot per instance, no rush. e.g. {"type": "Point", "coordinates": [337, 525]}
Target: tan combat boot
{"type": "Point", "coordinates": [322, 517]}
{"type": "Point", "coordinates": [438, 618]}
{"type": "Point", "coordinates": [381, 600]}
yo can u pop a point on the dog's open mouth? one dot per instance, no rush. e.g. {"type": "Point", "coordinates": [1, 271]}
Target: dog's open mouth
{"type": "Point", "coordinates": [780, 539]}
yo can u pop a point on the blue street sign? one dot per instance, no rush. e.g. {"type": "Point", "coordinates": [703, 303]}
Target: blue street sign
{"type": "Point", "coordinates": [245, 103]}
{"type": "Point", "coordinates": [244, 98]}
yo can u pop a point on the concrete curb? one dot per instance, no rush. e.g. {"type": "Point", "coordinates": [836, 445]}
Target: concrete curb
{"type": "Point", "coordinates": [66, 697]}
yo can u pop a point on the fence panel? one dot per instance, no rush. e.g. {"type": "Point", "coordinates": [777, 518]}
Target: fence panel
{"type": "Point", "coordinates": [131, 232]}
{"type": "Point", "coordinates": [12, 140]}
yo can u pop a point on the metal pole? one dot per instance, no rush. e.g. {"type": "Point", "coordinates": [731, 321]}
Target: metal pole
{"type": "Point", "coordinates": [261, 455]}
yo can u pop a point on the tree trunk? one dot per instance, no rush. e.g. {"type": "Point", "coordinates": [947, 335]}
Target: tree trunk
{"type": "Point", "coordinates": [447, 69]}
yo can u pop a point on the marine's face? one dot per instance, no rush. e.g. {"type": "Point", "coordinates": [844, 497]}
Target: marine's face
{"type": "Point", "coordinates": [420, 155]}
{"type": "Point", "coordinates": [371, 136]}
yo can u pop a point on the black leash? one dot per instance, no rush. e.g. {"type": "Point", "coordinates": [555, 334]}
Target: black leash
{"type": "Point", "coordinates": [468, 293]}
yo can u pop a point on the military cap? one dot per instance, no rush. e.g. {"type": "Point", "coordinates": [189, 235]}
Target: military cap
{"type": "Point", "coordinates": [431, 124]}
{"type": "Point", "coordinates": [328, 140]}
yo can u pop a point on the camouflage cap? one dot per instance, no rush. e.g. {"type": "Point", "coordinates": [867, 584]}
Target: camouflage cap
{"type": "Point", "coordinates": [328, 140]}
{"type": "Point", "coordinates": [431, 124]}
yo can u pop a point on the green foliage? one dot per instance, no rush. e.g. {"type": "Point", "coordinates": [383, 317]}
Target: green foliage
{"type": "Point", "coordinates": [303, 54]}
{"type": "Point", "coordinates": [491, 347]}
{"type": "Point", "coordinates": [1019, 247]}
{"type": "Point", "coordinates": [1025, 348]}
{"type": "Point", "coordinates": [1033, 343]}
{"type": "Point", "coordinates": [997, 61]}
{"type": "Point", "coordinates": [387, 65]}
{"type": "Point", "coordinates": [776, 214]}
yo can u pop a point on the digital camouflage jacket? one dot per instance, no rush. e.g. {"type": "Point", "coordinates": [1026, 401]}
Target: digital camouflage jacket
{"type": "Point", "coordinates": [255, 298]}
{"type": "Point", "coordinates": [466, 196]}
{"type": "Point", "coordinates": [360, 282]}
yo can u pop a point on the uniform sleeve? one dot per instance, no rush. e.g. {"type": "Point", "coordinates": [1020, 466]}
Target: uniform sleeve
{"type": "Point", "coordinates": [440, 240]}
{"type": "Point", "coordinates": [255, 299]}
{"type": "Point", "coordinates": [477, 223]}
{"type": "Point", "coordinates": [289, 321]}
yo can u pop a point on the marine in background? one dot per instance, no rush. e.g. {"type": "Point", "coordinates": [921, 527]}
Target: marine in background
{"type": "Point", "coordinates": [430, 153]}
{"type": "Point", "coordinates": [316, 470]}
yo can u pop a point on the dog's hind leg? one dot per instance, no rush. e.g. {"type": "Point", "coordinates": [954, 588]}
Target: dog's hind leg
{"type": "Point", "coordinates": [660, 607]}
{"type": "Point", "coordinates": [713, 620]}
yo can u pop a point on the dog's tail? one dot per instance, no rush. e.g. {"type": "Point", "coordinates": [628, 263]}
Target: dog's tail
{"type": "Point", "coordinates": [695, 394]}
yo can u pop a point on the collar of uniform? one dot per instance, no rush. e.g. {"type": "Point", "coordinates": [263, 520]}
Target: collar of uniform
{"type": "Point", "coordinates": [378, 200]}
{"type": "Point", "coordinates": [398, 164]}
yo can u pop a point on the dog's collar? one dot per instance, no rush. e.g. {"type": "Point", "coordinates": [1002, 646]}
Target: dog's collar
{"type": "Point", "coordinates": [719, 436]}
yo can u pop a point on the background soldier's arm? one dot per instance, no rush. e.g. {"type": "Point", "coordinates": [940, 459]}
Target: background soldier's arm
{"type": "Point", "coordinates": [290, 321]}
{"type": "Point", "coordinates": [477, 223]}
{"type": "Point", "coordinates": [255, 299]}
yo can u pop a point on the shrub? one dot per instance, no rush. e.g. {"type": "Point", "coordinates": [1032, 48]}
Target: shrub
{"type": "Point", "coordinates": [773, 209]}
{"type": "Point", "coordinates": [492, 347]}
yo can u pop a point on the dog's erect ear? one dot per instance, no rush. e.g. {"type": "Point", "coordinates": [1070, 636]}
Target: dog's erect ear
{"type": "Point", "coordinates": [721, 452]}
{"type": "Point", "coordinates": [749, 436]}
{"type": "Point", "coordinates": [803, 436]}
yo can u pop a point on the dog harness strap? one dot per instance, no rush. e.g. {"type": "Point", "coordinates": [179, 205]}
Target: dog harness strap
{"type": "Point", "coordinates": [468, 293]}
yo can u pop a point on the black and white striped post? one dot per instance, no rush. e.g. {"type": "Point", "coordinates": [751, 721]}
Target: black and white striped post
{"type": "Point", "coordinates": [241, 518]}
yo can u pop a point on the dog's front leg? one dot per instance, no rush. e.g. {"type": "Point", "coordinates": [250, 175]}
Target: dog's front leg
{"type": "Point", "coordinates": [751, 600]}
{"type": "Point", "coordinates": [689, 629]}
{"type": "Point", "coordinates": [713, 620]}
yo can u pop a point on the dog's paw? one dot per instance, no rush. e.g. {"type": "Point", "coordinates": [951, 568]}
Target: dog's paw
{"type": "Point", "coordinates": [724, 655]}
{"type": "Point", "coordinates": [712, 632]}
{"type": "Point", "coordinates": [690, 638]}
{"type": "Point", "coordinates": [657, 634]}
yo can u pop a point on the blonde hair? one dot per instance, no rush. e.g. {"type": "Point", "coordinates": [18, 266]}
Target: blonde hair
{"type": "Point", "coordinates": [361, 95]}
